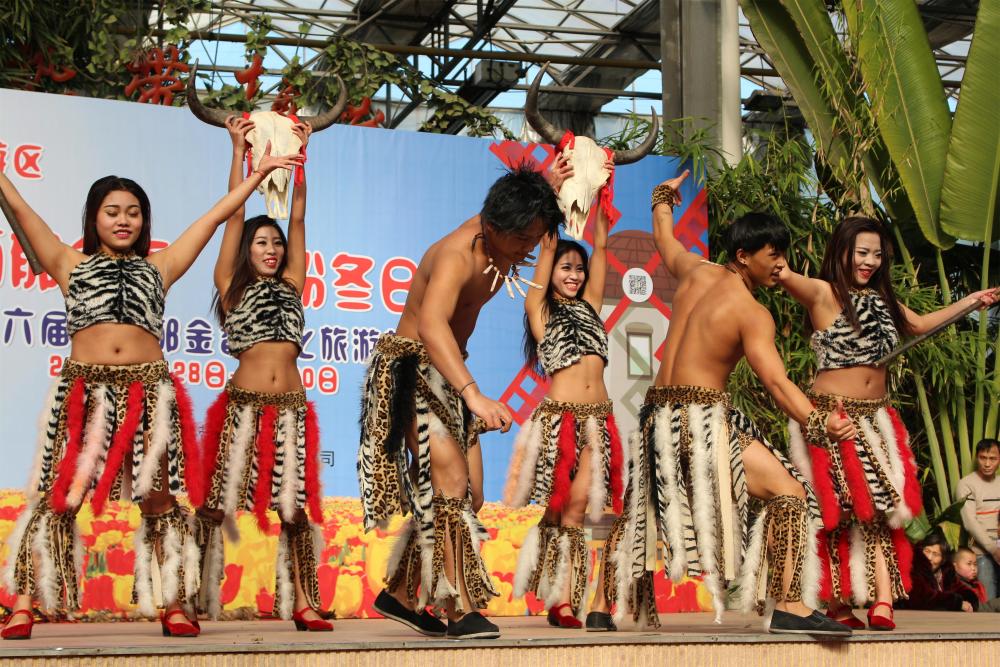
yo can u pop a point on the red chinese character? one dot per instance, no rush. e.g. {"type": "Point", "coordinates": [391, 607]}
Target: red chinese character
{"type": "Point", "coordinates": [353, 290]}
{"type": "Point", "coordinates": [389, 284]}
{"type": "Point", "coordinates": [3, 157]}
{"type": "Point", "coordinates": [314, 291]}
{"type": "Point", "coordinates": [26, 157]}
{"type": "Point", "coordinates": [155, 75]}
{"type": "Point", "coordinates": [45, 68]}
{"type": "Point", "coordinates": [21, 276]}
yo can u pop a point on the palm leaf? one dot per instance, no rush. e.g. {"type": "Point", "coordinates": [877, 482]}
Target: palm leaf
{"type": "Point", "coordinates": [972, 168]}
{"type": "Point", "coordinates": [905, 87]}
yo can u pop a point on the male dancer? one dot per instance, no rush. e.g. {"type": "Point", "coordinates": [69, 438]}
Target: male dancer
{"type": "Point", "coordinates": [419, 392]}
{"type": "Point", "coordinates": [700, 457]}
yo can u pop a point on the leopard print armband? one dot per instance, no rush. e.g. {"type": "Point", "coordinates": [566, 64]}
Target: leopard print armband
{"type": "Point", "coordinates": [664, 194]}
{"type": "Point", "coordinates": [816, 427]}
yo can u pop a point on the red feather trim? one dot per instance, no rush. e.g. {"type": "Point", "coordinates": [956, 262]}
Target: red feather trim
{"type": "Point", "coordinates": [825, 575]}
{"type": "Point", "coordinates": [829, 504]}
{"type": "Point", "coordinates": [904, 556]}
{"type": "Point", "coordinates": [265, 466]}
{"type": "Point", "coordinates": [120, 444]}
{"type": "Point", "coordinates": [194, 469]}
{"type": "Point", "coordinates": [857, 486]}
{"type": "Point", "coordinates": [844, 556]}
{"type": "Point", "coordinates": [912, 495]}
{"type": "Point", "coordinates": [76, 415]}
{"type": "Point", "coordinates": [616, 463]}
{"type": "Point", "coordinates": [314, 492]}
{"type": "Point", "coordinates": [215, 420]}
{"type": "Point", "coordinates": [564, 463]}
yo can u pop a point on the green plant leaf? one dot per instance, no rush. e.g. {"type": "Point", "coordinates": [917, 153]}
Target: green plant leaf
{"type": "Point", "coordinates": [972, 168]}
{"type": "Point", "coordinates": [905, 87]}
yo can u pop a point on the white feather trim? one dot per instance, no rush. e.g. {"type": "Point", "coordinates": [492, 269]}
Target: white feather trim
{"type": "Point", "coordinates": [398, 547]}
{"type": "Point", "coordinates": [95, 443]}
{"type": "Point", "coordinates": [554, 590]}
{"type": "Point", "coordinates": [143, 572]}
{"type": "Point", "coordinates": [211, 577]}
{"type": "Point", "coordinates": [231, 529]}
{"type": "Point", "coordinates": [526, 446]}
{"type": "Point", "coordinates": [47, 584]}
{"type": "Point", "coordinates": [171, 546]}
{"type": "Point", "coordinates": [706, 500]}
{"type": "Point", "coordinates": [858, 567]}
{"type": "Point", "coordinates": [527, 561]}
{"type": "Point", "coordinates": [811, 567]}
{"type": "Point", "coordinates": [750, 571]}
{"type": "Point", "coordinates": [159, 436]}
{"type": "Point", "coordinates": [192, 571]}
{"type": "Point", "coordinates": [283, 567]}
{"type": "Point", "coordinates": [14, 546]}
{"type": "Point", "coordinates": [233, 478]}
{"type": "Point", "coordinates": [902, 512]}
{"type": "Point", "coordinates": [666, 462]}
{"type": "Point", "coordinates": [798, 451]}
{"type": "Point", "coordinates": [289, 471]}
{"type": "Point", "coordinates": [599, 475]}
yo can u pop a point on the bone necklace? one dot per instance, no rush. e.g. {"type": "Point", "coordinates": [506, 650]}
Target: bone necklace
{"type": "Point", "coordinates": [513, 279]}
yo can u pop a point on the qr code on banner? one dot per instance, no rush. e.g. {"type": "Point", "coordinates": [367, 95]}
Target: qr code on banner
{"type": "Point", "coordinates": [637, 285]}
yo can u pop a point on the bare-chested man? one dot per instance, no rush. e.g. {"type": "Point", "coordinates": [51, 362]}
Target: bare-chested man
{"type": "Point", "coordinates": [700, 458]}
{"type": "Point", "coordinates": [419, 392]}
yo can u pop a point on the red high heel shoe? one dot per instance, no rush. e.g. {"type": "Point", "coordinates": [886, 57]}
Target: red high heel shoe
{"type": "Point", "coordinates": [852, 621]}
{"type": "Point", "coordinates": [183, 628]}
{"type": "Point", "coordinates": [558, 619]}
{"type": "Point", "coordinates": [879, 622]}
{"type": "Point", "coordinates": [302, 623]}
{"type": "Point", "coordinates": [21, 631]}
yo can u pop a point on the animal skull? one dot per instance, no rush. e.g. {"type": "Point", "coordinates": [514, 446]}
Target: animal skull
{"type": "Point", "coordinates": [274, 127]}
{"type": "Point", "coordinates": [578, 193]}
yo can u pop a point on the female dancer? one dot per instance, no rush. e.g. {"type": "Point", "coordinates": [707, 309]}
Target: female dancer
{"type": "Point", "coordinates": [261, 438]}
{"type": "Point", "coordinates": [867, 487]}
{"type": "Point", "coordinates": [116, 421]}
{"type": "Point", "coordinates": [569, 455]}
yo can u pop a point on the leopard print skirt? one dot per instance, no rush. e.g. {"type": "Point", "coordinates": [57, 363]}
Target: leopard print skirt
{"type": "Point", "coordinates": [547, 452]}
{"type": "Point", "coordinates": [868, 489]}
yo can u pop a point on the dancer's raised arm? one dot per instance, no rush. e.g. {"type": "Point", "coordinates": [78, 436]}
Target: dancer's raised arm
{"type": "Point", "coordinates": [178, 257]}
{"type": "Point", "coordinates": [295, 255]}
{"type": "Point", "coordinates": [678, 259]}
{"type": "Point", "coordinates": [225, 264]}
{"type": "Point", "coordinates": [56, 257]}
{"type": "Point", "coordinates": [598, 269]}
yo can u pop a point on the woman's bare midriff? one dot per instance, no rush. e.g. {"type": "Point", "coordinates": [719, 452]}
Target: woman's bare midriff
{"type": "Point", "coordinates": [583, 382]}
{"type": "Point", "coordinates": [864, 382]}
{"type": "Point", "coordinates": [269, 367]}
{"type": "Point", "coordinates": [114, 344]}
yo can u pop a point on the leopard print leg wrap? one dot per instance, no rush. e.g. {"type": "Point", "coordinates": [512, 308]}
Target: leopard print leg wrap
{"type": "Point", "coordinates": [455, 523]}
{"type": "Point", "coordinates": [45, 552]}
{"type": "Point", "coordinates": [211, 561]}
{"type": "Point", "coordinates": [532, 558]}
{"type": "Point", "coordinates": [297, 546]}
{"type": "Point", "coordinates": [407, 571]}
{"type": "Point", "coordinates": [787, 523]}
{"type": "Point", "coordinates": [168, 537]}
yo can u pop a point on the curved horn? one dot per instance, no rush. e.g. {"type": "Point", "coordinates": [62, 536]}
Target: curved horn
{"type": "Point", "coordinates": [546, 130]}
{"type": "Point", "coordinates": [328, 118]}
{"type": "Point", "coordinates": [643, 149]}
{"type": "Point", "coordinates": [215, 117]}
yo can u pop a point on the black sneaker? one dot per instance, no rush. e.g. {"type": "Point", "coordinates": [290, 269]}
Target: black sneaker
{"type": "Point", "coordinates": [424, 622]}
{"type": "Point", "coordinates": [472, 626]}
{"type": "Point", "coordinates": [813, 624]}
{"type": "Point", "coordinates": [599, 621]}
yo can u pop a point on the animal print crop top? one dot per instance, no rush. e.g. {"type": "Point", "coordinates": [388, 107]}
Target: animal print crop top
{"type": "Point", "coordinates": [574, 329]}
{"type": "Point", "coordinates": [841, 346]}
{"type": "Point", "coordinates": [124, 289]}
{"type": "Point", "coordinates": [270, 310]}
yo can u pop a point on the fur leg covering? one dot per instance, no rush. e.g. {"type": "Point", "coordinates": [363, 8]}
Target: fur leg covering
{"type": "Point", "coordinates": [788, 533]}
{"type": "Point", "coordinates": [531, 558]}
{"type": "Point", "coordinates": [51, 538]}
{"type": "Point", "coordinates": [170, 538]}
{"type": "Point", "coordinates": [297, 556]}
{"type": "Point", "coordinates": [404, 567]}
{"type": "Point", "coordinates": [208, 537]}
{"type": "Point", "coordinates": [455, 524]}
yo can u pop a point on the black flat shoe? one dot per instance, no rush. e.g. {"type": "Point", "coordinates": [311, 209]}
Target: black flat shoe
{"type": "Point", "coordinates": [598, 621]}
{"type": "Point", "coordinates": [814, 624]}
{"type": "Point", "coordinates": [423, 622]}
{"type": "Point", "coordinates": [472, 626]}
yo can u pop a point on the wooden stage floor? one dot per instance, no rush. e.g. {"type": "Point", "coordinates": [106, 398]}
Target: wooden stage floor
{"type": "Point", "coordinates": [921, 638]}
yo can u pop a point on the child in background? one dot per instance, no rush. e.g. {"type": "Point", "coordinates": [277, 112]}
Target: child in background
{"type": "Point", "coordinates": [933, 578]}
{"type": "Point", "coordinates": [968, 585]}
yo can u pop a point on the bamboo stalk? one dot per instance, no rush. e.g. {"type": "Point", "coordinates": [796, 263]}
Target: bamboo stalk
{"type": "Point", "coordinates": [940, 478]}
{"type": "Point", "coordinates": [950, 455]}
